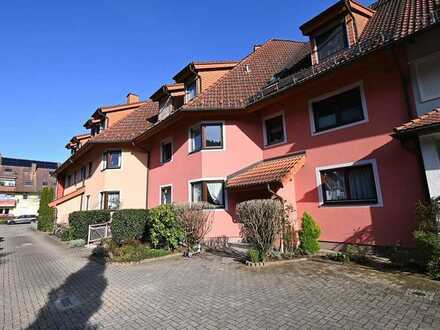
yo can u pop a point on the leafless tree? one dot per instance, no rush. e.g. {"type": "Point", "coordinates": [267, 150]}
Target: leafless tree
{"type": "Point", "coordinates": [261, 222]}
{"type": "Point", "coordinates": [196, 221]}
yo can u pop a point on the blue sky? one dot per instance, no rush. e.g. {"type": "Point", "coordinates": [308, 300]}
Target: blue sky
{"type": "Point", "coordinates": [60, 60]}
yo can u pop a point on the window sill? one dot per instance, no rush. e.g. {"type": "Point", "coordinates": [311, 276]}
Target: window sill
{"type": "Point", "coordinates": [206, 150]}
{"type": "Point", "coordinates": [110, 168]}
{"type": "Point", "coordinates": [348, 204]}
{"type": "Point", "coordinates": [339, 127]}
{"type": "Point", "coordinates": [268, 146]}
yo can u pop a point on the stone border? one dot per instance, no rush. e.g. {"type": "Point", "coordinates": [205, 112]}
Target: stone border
{"type": "Point", "coordinates": [144, 261]}
{"type": "Point", "coordinates": [274, 263]}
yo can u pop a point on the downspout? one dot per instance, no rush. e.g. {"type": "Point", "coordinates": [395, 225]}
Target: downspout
{"type": "Point", "coordinates": [148, 179]}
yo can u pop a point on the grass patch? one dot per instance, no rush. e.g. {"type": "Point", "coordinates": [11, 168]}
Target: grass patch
{"type": "Point", "coordinates": [130, 252]}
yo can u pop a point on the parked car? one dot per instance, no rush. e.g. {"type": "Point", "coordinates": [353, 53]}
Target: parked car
{"type": "Point", "coordinates": [28, 218]}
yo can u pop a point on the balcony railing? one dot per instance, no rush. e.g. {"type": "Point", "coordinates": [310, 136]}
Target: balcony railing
{"type": "Point", "coordinates": [341, 57]}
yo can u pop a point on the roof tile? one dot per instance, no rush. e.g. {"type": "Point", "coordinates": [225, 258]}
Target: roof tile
{"type": "Point", "coordinates": [267, 171]}
{"type": "Point", "coordinates": [427, 120]}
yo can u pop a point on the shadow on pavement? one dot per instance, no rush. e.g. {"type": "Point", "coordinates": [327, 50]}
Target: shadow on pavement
{"type": "Point", "coordinates": [72, 304]}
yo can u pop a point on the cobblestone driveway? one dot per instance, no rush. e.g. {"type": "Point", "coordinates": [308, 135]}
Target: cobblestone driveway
{"type": "Point", "coordinates": [45, 285]}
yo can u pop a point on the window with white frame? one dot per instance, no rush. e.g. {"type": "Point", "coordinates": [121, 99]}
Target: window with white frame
{"type": "Point", "coordinates": [166, 151]}
{"type": "Point", "coordinates": [338, 110]}
{"type": "Point", "coordinates": [206, 136]}
{"type": "Point", "coordinates": [428, 77]}
{"type": "Point", "coordinates": [110, 200]}
{"type": "Point", "coordinates": [6, 182]}
{"type": "Point", "coordinates": [211, 192]}
{"type": "Point", "coordinates": [165, 195]}
{"type": "Point", "coordinates": [355, 184]}
{"type": "Point", "coordinates": [112, 159]}
{"type": "Point", "coordinates": [191, 90]}
{"type": "Point", "coordinates": [274, 130]}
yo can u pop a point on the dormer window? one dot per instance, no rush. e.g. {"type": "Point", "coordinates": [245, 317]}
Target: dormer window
{"type": "Point", "coordinates": [191, 91]}
{"type": "Point", "coordinates": [331, 41]}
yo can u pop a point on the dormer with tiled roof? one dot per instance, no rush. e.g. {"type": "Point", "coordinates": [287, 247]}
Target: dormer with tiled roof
{"type": "Point", "coordinates": [106, 116]}
{"type": "Point", "coordinates": [77, 142]}
{"type": "Point", "coordinates": [337, 28]}
{"type": "Point", "coordinates": [198, 76]}
{"type": "Point", "coordinates": [170, 97]}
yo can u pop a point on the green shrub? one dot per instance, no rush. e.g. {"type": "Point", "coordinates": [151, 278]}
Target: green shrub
{"type": "Point", "coordinates": [261, 223]}
{"type": "Point", "coordinates": [427, 248]}
{"type": "Point", "coordinates": [135, 251]}
{"type": "Point", "coordinates": [46, 214]}
{"type": "Point", "coordinates": [79, 221]}
{"type": "Point", "coordinates": [254, 255]}
{"type": "Point", "coordinates": [67, 234]}
{"type": "Point", "coordinates": [76, 243]}
{"type": "Point", "coordinates": [309, 235]}
{"type": "Point", "coordinates": [164, 229]}
{"type": "Point", "coordinates": [129, 224]}
{"type": "Point", "coordinates": [434, 268]}
{"type": "Point", "coordinates": [340, 257]}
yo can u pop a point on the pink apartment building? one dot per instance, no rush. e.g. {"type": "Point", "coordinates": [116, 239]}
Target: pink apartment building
{"type": "Point", "coordinates": [319, 123]}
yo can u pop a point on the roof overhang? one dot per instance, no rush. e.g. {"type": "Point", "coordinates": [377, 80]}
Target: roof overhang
{"type": "Point", "coordinates": [266, 172]}
{"type": "Point", "coordinates": [194, 67]}
{"type": "Point", "coordinates": [67, 197]}
{"type": "Point", "coordinates": [338, 9]}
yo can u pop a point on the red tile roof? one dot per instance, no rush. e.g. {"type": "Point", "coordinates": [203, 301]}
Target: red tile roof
{"type": "Point", "coordinates": [123, 131]}
{"type": "Point", "coordinates": [129, 127]}
{"type": "Point", "coordinates": [426, 121]}
{"type": "Point", "coordinates": [249, 76]}
{"type": "Point", "coordinates": [392, 21]}
{"type": "Point", "coordinates": [267, 171]}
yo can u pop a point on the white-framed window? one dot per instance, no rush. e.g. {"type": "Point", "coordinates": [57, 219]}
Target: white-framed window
{"type": "Point", "coordinates": [331, 41]}
{"type": "Point", "coordinates": [166, 194]}
{"type": "Point", "coordinates": [111, 159]}
{"type": "Point", "coordinates": [350, 184]}
{"type": "Point", "coordinates": [206, 136]}
{"type": "Point", "coordinates": [7, 182]}
{"type": "Point", "coordinates": [87, 202]}
{"type": "Point", "coordinates": [339, 109]}
{"type": "Point", "coordinates": [110, 200]}
{"type": "Point", "coordinates": [428, 77]}
{"type": "Point", "coordinates": [274, 129]}
{"type": "Point", "coordinates": [210, 191]}
{"type": "Point", "coordinates": [191, 90]}
{"type": "Point", "coordinates": [166, 150]}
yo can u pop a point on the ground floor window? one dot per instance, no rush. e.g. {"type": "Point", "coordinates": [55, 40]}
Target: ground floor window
{"type": "Point", "coordinates": [165, 195]}
{"type": "Point", "coordinates": [4, 211]}
{"type": "Point", "coordinates": [211, 192]}
{"type": "Point", "coordinates": [110, 200]}
{"type": "Point", "coordinates": [349, 185]}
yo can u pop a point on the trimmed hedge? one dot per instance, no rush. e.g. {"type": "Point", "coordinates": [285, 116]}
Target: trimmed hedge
{"type": "Point", "coordinates": [130, 224]}
{"type": "Point", "coordinates": [79, 221]}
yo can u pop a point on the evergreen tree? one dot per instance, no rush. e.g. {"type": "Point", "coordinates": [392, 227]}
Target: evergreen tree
{"type": "Point", "coordinates": [46, 214]}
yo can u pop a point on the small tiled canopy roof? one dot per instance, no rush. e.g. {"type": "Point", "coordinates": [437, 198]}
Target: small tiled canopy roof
{"type": "Point", "coordinates": [267, 171]}
{"type": "Point", "coordinates": [67, 197]}
{"type": "Point", "coordinates": [424, 122]}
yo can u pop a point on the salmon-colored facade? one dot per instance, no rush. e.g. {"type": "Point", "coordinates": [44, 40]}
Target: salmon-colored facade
{"type": "Point", "coordinates": [310, 123]}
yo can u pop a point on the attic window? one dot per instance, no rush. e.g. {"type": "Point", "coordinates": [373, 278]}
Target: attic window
{"type": "Point", "coordinates": [191, 90]}
{"type": "Point", "coordinates": [331, 41]}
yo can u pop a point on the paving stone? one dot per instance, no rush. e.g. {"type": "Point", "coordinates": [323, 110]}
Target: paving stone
{"type": "Point", "coordinates": [45, 285]}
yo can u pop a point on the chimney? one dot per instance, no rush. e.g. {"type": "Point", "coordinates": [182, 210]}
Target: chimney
{"type": "Point", "coordinates": [132, 98]}
{"type": "Point", "coordinates": [256, 47]}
